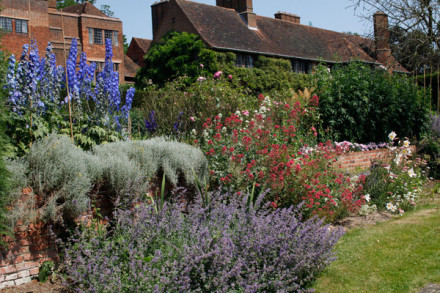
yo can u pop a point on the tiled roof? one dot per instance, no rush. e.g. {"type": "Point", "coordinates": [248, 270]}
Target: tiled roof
{"type": "Point", "coordinates": [144, 44]}
{"type": "Point", "coordinates": [223, 28]}
{"type": "Point", "coordinates": [85, 8]}
{"type": "Point", "coordinates": [131, 68]}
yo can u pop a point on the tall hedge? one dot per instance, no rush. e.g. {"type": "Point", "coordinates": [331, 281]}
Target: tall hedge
{"type": "Point", "coordinates": [363, 104]}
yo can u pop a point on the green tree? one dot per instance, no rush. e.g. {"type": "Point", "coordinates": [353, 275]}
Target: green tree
{"type": "Point", "coordinates": [414, 26]}
{"type": "Point", "coordinates": [177, 54]}
{"type": "Point", "coordinates": [67, 3]}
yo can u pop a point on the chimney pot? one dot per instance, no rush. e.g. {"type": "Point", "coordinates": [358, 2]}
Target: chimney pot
{"type": "Point", "coordinates": [381, 31]}
{"type": "Point", "coordinates": [294, 18]}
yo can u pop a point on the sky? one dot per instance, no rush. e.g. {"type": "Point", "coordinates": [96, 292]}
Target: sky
{"type": "Point", "coordinates": [335, 15]}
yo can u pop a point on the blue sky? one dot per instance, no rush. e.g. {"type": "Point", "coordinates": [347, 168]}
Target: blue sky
{"type": "Point", "coordinates": [336, 15]}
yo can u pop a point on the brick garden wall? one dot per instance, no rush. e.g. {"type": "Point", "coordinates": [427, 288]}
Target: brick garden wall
{"type": "Point", "coordinates": [33, 244]}
{"type": "Point", "coordinates": [353, 160]}
{"type": "Point", "coordinates": [21, 260]}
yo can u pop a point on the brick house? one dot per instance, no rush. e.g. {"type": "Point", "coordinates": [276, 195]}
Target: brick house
{"type": "Point", "coordinates": [232, 26]}
{"type": "Point", "coordinates": [23, 20]}
{"type": "Point", "coordinates": [137, 49]}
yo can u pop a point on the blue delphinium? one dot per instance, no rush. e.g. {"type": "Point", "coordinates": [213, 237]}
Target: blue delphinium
{"type": "Point", "coordinates": [150, 123]}
{"type": "Point", "coordinates": [178, 122]}
{"type": "Point", "coordinates": [71, 72]}
{"type": "Point", "coordinates": [128, 100]}
{"type": "Point", "coordinates": [35, 87]}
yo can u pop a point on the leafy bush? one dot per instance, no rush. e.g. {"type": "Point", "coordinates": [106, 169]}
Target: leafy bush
{"type": "Point", "coordinates": [168, 110]}
{"type": "Point", "coordinates": [269, 76]}
{"type": "Point", "coordinates": [176, 55]}
{"type": "Point", "coordinates": [64, 178]}
{"type": "Point", "coordinates": [224, 247]}
{"type": "Point", "coordinates": [429, 147]}
{"type": "Point", "coordinates": [363, 105]}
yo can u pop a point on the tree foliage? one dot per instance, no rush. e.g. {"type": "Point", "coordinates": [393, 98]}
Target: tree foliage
{"type": "Point", "coordinates": [67, 3]}
{"type": "Point", "coordinates": [415, 29]}
{"type": "Point", "coordinates": [177, 54]}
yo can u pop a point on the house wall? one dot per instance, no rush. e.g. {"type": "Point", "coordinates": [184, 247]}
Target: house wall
{"type": "Point", "coordinates": [174, 20]}
{"type": "Point", "coordinates": [136, 53]}
{"type": "Point", "coordinates": [38, 24]}
{"type": "Point", "coordinates": [49, 24]}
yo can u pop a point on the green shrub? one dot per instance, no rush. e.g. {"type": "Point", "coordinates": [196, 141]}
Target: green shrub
{"type": "Point", "coordinates": [361, 104]}
{"type": "Point", "coordinates": [175, 104]}
{"type": "Point", "coordinates": [177, 55]}
{"type": "Point", "coordinates": [270, 76]}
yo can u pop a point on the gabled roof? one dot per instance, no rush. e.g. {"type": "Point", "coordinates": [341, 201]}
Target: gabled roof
{"type": "Point", "coordinates": [224, 29]}
{"type": "Point", "coordinates": [144, 44]}
{"type": "Point", "coordinates": [131, 68]}
{"type": "Point", "coordinates": [85, 8]}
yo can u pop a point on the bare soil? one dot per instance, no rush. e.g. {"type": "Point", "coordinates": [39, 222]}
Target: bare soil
{"type": "Point", "coordinates": [36, 287]}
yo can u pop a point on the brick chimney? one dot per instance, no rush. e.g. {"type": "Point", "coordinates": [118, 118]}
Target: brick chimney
{"type": "Point", "coordinates": [382, 37]}
{"type": "Point", "coordinates": [243, 7]}
{"type": "Point", "coordinates": [158, 11]}
{"type": "Point", "coordinates": [288, 17]}
{"type": "Point", "coordinates": [52, 4]}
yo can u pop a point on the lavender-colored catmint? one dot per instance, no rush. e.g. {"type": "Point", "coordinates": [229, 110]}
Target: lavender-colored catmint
{"type": "Point", "coordinates": [227, 246]}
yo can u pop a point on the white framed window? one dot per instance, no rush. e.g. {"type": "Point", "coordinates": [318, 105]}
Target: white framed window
{"type": "Point", "coordinates": [98, 36]}
{"type": "Point", "coordinates": [21, 26]}
{"type": "Point", "coordinates": [244, 60]}
{"type": "Point", "coordinates": [6, 24]}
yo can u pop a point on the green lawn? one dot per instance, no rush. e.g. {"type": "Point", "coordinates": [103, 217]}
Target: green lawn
{"type": "Point", "coordinates": [401, 255]}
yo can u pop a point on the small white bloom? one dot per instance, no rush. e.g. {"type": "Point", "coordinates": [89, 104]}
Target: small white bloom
{"type": "Point", "coordinates": [194, 132]}
{"type": "Point", "coordinates": [393, 208]}
{"type": "Point", "coordinates": [406, 152]}
{"type": "Point", "coordinates": [389, 206]}
{"type": "Point", "coordinates": [367, 197]}
{"type": "Point", "coordinates": [406, 143]}
{"type": "Point", "coordinates": [224, 129]}
{"type": "Point", "coordinates": [411, 173]}
{"type": "Point", "coordinates": [392, 135]}
{"type": "Point", "coordinates": [205, 133]}
{"type": "Point", "coordinates": [220, 115]}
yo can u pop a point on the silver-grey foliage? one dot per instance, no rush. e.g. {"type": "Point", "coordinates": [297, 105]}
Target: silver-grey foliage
{"type": "Point", "coordinates": [63, 176]}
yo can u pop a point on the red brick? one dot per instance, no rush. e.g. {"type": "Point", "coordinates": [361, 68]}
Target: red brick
{"type": "Point", "coordinates": [8, 270]}
{"type": "Point", "coordinates": [34, 271]}
{"type": "Point", "coordinates": [27, 265]}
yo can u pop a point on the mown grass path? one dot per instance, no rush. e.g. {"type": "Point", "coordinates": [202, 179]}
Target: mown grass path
{"type": "Point", "coordinates": [400, 255]}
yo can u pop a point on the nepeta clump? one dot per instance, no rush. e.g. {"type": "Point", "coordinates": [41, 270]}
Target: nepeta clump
{"type": "Point", "coordinates": [224, 247]}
